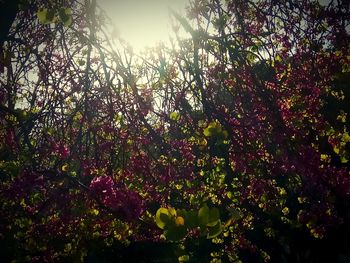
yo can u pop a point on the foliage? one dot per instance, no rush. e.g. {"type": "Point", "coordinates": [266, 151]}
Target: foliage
{"type": "Point", "coordinates": [232, 145]}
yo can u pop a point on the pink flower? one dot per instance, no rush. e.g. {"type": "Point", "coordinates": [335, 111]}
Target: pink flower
{"type": "Point", "coordinates": [128, 203]}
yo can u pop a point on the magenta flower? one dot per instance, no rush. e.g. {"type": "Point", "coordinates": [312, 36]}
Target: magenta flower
{"type": "Point", "coordinates": [126, 202]}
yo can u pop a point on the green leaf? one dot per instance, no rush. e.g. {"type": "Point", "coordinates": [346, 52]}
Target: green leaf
{"type": "Point", "coordinates": [65, 15]}
{"type": "Point", "coordinates": [50, 16]}
{"type": "Point", "coordinates": [336, 149]}
{"type": "Point", "coordinates": [162, 217]}
{"type": "Point", "coordinates": [203, 215]}
{"type": "Point", "coordinates": [346, 137]}
{"type": "Point", "coordinates": [215, 230]}
{"type": "Point", "coordinates": [208, 216]}
{"type": "Point", "coordinates": [215, 129]}
{"type": "Point", "coordinates": [175, 116]}
{"type": "Point", "coordinates": [81, 62]}
{"type": "Point", "coordinates": [214, 216]}
{"type": "Point", "coordinates": [68, 22]}
{"type": "Point", "coordinates": [235, 213]}
{"type": "Point", "coordinates": [343, 159]}
{"type": "Point", "coordinates": [41, 14]}
{"type": "Point", "coordinates": [175, 233]}
{"type": "Point", "coordinates": [181, 212]}
{"type": "Point", "coordinates": [191, 219]}
{"type": "Point", "coordinates": [210, 130]}
{"type": "Point", "coordinates": [45, 15]}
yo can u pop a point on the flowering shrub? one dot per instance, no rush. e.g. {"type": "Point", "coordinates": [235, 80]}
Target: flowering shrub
{"type": "Point", "coordinates": [233, 145]}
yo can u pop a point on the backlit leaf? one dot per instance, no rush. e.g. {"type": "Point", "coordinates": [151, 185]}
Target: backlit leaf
{"type": "Point", "coordinates": [215, 230]}
{"type": "Point", "coordinates": [41, 14]}
{"type": "Point", "coordinates": [162, 217]}
{"type": "Point", "coordinates": [175, 116]}
{"type": "Point", "coordinates": [214, 216]}
{"type": "Point", "coordinates": [65, 14]}
{"type": "Point", "coordinates": [203, 215]}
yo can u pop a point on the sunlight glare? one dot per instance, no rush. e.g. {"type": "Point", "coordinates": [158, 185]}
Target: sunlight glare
{"type": "Point", "coordinates": [142, 23]}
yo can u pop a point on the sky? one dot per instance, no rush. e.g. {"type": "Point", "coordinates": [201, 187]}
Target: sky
{"type": "Point", "coordinates": [142, 22]}
{"type": "Point", "coordinates": [145, 22]}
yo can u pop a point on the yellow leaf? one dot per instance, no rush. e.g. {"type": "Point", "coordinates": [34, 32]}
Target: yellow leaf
{"type": "Point", "coordinates": [65, 168]}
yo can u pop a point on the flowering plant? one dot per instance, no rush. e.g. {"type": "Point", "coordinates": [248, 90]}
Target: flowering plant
{"type": "Point", "coordinates": [232, 145]}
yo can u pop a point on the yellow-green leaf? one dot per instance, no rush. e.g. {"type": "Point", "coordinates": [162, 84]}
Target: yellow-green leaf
{"type": "Point", "coordinates": [343, 159]}
{"type": "Point", "coordinates": [215, 230]}
{"type": "Point", "coordinates": [162, 217]}
{"type": "Point", "coordinates": [203, 215]}
{"type": "Point", "coordinates": [175, 116]}
{"type": "Point", "coordinates": [41, 14]}
{"type": "Point", "coordinates": [46, 16]}
{"type": "Point", "coordinates": [65, 15]}
{"type": "Point", "coordinates": [214, 216]}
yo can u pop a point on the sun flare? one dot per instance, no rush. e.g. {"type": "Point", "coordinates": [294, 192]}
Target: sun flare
{"type": "Point", "coordinates": [142, 23]}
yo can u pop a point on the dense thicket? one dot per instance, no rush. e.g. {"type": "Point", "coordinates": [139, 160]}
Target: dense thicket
{"type": "Point", "coordinates": [231, 144]}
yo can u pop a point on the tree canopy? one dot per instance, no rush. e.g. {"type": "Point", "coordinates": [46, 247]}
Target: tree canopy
{"type": "Point", "coordinates": [229, 145]}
